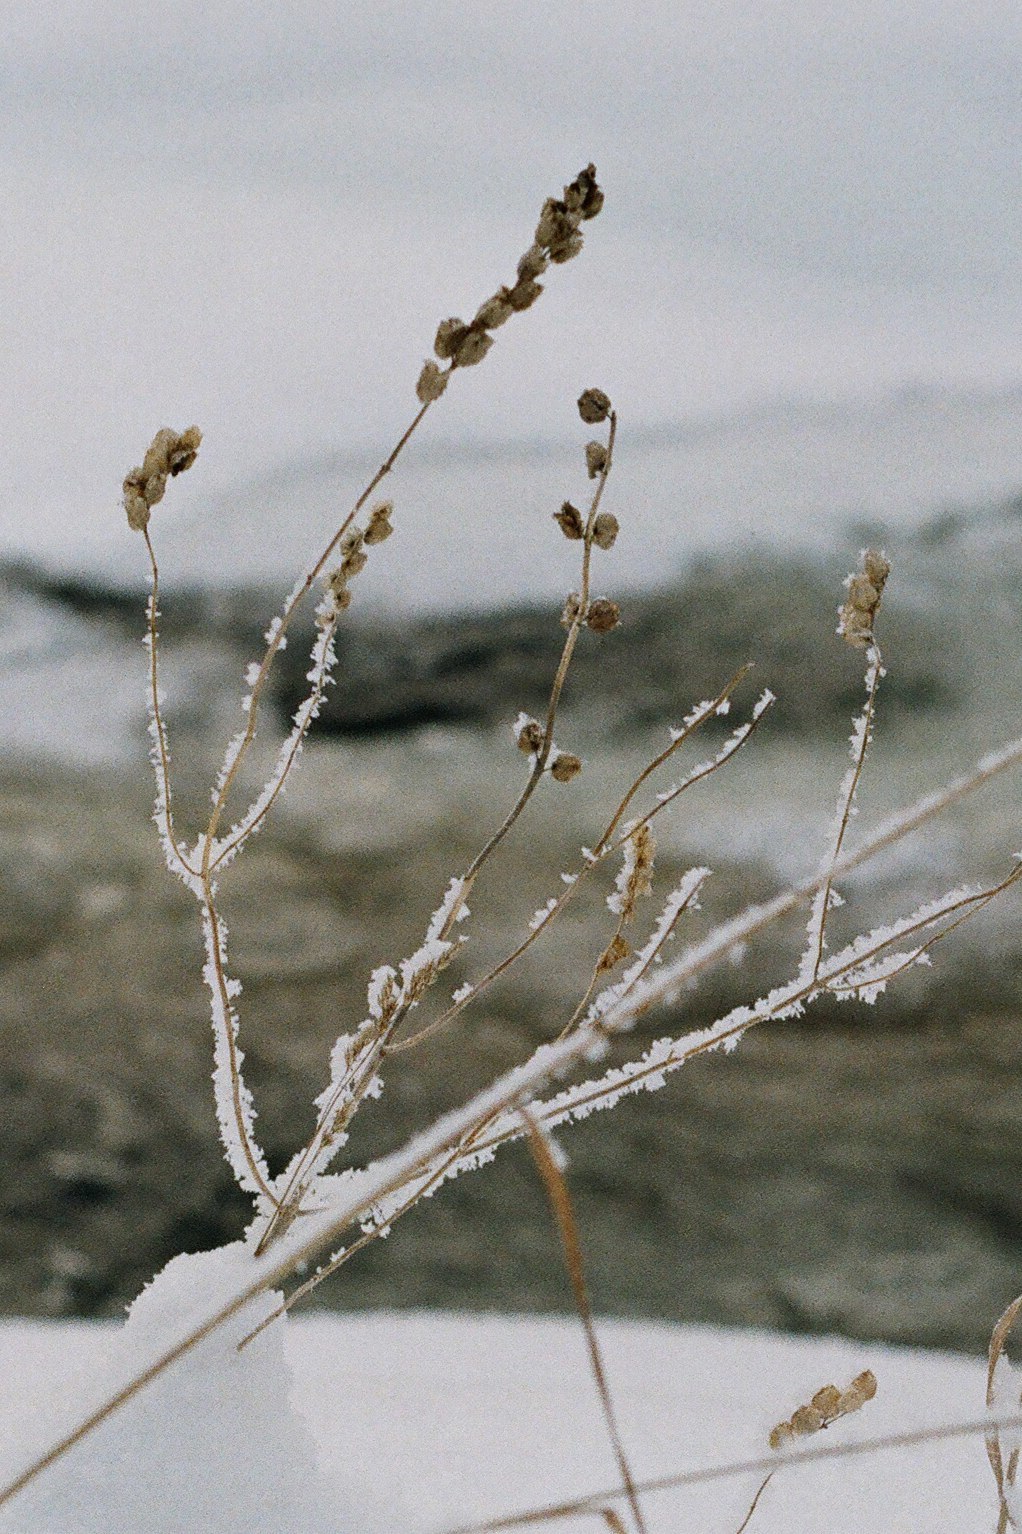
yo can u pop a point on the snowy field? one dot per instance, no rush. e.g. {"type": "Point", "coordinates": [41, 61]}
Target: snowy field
{"type": "Point", "coordinates": [428, 1422]}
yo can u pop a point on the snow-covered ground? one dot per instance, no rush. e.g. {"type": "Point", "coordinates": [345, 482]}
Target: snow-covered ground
{"type": "Point", "coordinates": [427, 1422]}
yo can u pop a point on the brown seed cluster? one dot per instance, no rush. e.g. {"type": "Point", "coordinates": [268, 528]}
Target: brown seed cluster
{"type": "Point", "coordinates": [558, 237]}
{"type": "Point", "coordinates": [353, 553]}
{"type": "Point", "coordinates": [638, 872]}
{"type": "Point", "coordinates": [826, 1406]}
{"type": "Point", "coordinates": [528, 734]}
{"type": "Point", "coordinates": [565, 766]}
{"type": "Point", "coordinates": [865, 589]}
{"type": "Point", "coordinates": [169, 453]}
{"type": "Point", "coordinates": [594, 406]}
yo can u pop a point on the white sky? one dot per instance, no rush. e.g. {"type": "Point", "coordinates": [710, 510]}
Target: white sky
{"type": "Point", "coordinates": [252, 216]}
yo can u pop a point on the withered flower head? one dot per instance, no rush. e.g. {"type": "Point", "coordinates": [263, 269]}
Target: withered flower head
{"type": "Point", "coordinates": [594, 406]}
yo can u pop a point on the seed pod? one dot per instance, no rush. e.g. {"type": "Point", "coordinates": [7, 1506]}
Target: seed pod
{"type": "Point", "coordinates": [565, 766]}
{"type": "Point", "coordinates": [603, 615]}
{"type": "Point", "coordinates": [473, 348]}
{"type": "Point", "coordinates": [449, 336]}
{"type": "Point", "coordinates": [524, 294]}
{"type": "Point", "coordinates": [805, 1421]}
{"type": "Point", "coordinates": [605, 530]}
{"type": "Point", "coordinates": [781, 1435]}
{"type": "Point", "coordinates": [528, 735]}
{"type": "Point", "coordinates": [135, 503]}
{"type": "Point", "coordinates": [555, 224]}
{"type": "Point", "coordinates": [594, 406]}
{"type": "Point", "coordinates": [494, 312]}
{"type": "Point", "coordinates": [596, 459]}
{"type": "Point", "coordinates": [569, 519]}
{"type": "Point", "coordinates": [182, 453]}
{"type": "Point", "coordinates": [432, 383]}
{"type": "Point", "coordinates": [533, 264]}
{"type": "Point", "coordinates": [565, 249]}
{"type": "Point", "coordinates": [826, 1400]}
{"type": "Point", "coordinates": [378, 528]}
{"type": "Point", "coordinates": [571, 610]}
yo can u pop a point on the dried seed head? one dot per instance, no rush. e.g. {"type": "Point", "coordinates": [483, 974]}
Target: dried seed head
{"type": "Point", "coordinates": [862, 1389]}
{"type": "Point", "coordinates": [337, 586]}
{"type": "Point", "coordinates": [449, 336]}
{"type": "Point", "coordinates": [827, 1405]}
{"type": "Point", "coordinates": [636, 877]}
{"type": "Point", "coordinates": [524, 294]}
{"type": "Point", "coordinates": [528, 734]}
{"type": "Point", "coordinates": [533, 264]}
{"type": "Point", "coordinates": [594, 406]}
{"type": "Point", "coordinates": [826, 1400]}
{"type": "Point", "coordinates": [473, 348]}
{"type": "Point", "coordinates": [857, 613]}
{"type": "Point", "coordinates": [603, 615]}
{"type": "Point", "coordinates": [494, 312]}
{"type": "Point", "coordinates": [805, 1421]}
{"type": "Point", "coordinates": [565, 766]}
{"type": "Point", "coordinates": [182, 453]}
{"type": "Point", "coordinates": [585, 185]}
{"type": "Point", "coordinates": [780, 1435]}
{"type": "Point", "coordinates": [569, 519]}
{"type": "Point", "coordinates": [565, 249]}
{"type": "Point", "coordinates": [596, 459]}
{"type": "Point", "coordinates": [432, 383]}
{"type": "Point", "coordinates": [134, 500]}
{"type": "Point", "coordinates": [616, 950]}
{"type": "Point", "coordinates": [378, 528]}
{"type": "Point", "coordinates": [605, 530]}
{"type": "Point", "coordinates": [571, 610]}
{"type": "Point", "coordinates": [169, 453]}
{"type": "Point", "coordinates": [354, 563]}
{"type": "Point", "coordinates": [556, 224]}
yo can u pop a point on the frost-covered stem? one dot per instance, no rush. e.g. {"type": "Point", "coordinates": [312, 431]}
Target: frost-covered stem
{"type": "Point", "coordinates": [233, 1099]}
{"type": "Point", "coordinates": [279, 629]}
{"type": "Point", "coordinates": [970, 905]}
{"type": "Point", "coordinates": [687, 893]}
{"type": "Point", "coordinates": [605, 848]}
{"type": "Point", "coordinates": [163, 813]}
{"type": "Point", "coordinates": [756, 918]}
{"type": "Point", "coordinates": [323, 660]}
{"type": "Point", "coordinates": [861, 739]}
{"type": "Point", "coordinates": [369, 1190]}
{"type": "Point", "coordinates": [692, 723]}
{"type": "Point", "coordinates": [501, 1123]}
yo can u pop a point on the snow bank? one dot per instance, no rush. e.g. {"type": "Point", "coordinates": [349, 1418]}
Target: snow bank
{"type": "Point", "coordinates": [423, 1422]}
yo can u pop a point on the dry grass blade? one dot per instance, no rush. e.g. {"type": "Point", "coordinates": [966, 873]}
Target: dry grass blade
{"type": "Point", "coordinates": [560, 1202]}
{"type": "Point", "coordinates": [1004, 1473]}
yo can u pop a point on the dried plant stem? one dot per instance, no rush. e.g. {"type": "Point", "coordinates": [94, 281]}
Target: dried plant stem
{"type": "Point", "coordinates": [1004, 1473]}
{"type": "Point", "coordinates": [161, 758]}
{"type": "Point", "coordinates": [279, 632]}
{"type": "Point", "coordinates": [861, 741]}
{"type": "Point", "coordinates": [605, 848]}
{"type": "Point", "coordinates": [560, 1203]}
{"type": "Point", "coordinates": [391, 1174]}
{"type": "Point", "coordinates": [764, 1483]}
{"type": "Point", "coordinates": [593, 1502]}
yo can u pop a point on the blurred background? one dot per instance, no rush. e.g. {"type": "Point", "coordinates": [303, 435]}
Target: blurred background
{"type": "Point", "coordinates": [803, 297]}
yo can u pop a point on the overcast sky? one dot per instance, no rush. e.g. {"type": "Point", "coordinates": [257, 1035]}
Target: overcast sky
{"type": "Point", "coordinates": [252, 216]}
